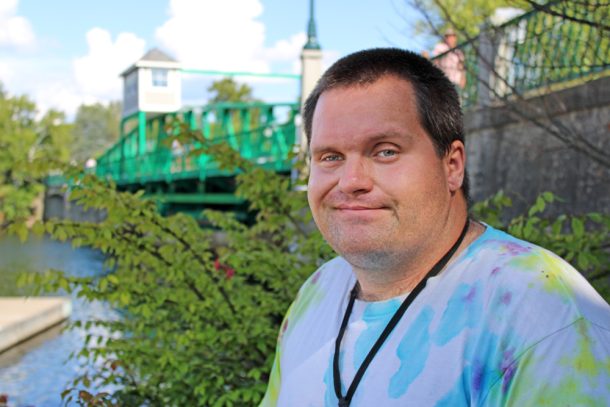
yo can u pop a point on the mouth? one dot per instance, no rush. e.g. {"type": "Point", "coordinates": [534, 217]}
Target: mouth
{"type": "Point", "coordinates": [346, 208]}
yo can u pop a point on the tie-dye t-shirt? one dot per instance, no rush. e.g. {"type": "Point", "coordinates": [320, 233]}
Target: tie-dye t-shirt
{"type": "Point", "coordinates": [507, 323]}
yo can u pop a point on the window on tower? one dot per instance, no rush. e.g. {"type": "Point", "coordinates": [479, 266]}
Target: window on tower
{"type": "Point", "coordinates": [159, 77]}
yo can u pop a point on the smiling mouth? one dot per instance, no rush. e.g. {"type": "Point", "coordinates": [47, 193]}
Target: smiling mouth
{"type": "Point", "coordinates": [358, 208]}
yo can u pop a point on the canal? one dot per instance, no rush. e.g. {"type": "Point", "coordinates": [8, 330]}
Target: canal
{"type": "Point", "coordinates": [36, 372]}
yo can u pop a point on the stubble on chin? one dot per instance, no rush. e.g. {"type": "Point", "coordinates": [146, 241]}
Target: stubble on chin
{"type": "Point", "coordinates": [374, 261]}
{"type": "Point", "coordinates": [363, 252]}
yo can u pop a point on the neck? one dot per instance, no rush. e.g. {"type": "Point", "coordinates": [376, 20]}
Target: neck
{"type": "Point", "coordinates": [375, 289]}
{"type": "Point", "coordinates": [377, 285]}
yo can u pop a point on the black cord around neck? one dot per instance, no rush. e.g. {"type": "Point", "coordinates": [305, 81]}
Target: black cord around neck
{"type": "Point", "coordinates": [344, 401]}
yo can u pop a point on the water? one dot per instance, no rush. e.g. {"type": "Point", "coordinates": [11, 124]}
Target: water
{"type": "Point", "coordinates": [35, 373]}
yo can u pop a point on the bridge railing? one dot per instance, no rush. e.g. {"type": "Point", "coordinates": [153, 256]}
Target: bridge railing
{"type": "Point", "coordinates": [534, 51]}
{"type": "Point", "coordinates": [262, 133]}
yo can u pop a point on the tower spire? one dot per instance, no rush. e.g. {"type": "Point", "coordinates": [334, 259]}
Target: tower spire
{"type": "Point", "coordinates": [312, 38]}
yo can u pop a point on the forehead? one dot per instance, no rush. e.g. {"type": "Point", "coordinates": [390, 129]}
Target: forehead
{"type": "Point", "coordinates": [387, 105]}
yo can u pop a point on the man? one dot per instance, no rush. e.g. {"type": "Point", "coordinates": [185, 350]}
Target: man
{"type": "Point", "coordinates": [424, 307]}
{"type": "Point", "coordinates": [452, 60]}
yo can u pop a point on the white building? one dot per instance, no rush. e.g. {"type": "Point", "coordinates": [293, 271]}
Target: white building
{"type": "Point", "coordinates": [152, 84]}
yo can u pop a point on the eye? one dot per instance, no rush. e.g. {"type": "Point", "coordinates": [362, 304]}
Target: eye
{"type": "Point", "coordinates": [387, 152]}
{"type": "Point", "coordinates": [330, 157]}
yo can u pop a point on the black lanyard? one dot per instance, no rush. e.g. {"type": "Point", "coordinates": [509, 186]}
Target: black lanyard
{"type": "Point", "coordinates": [345, 401]}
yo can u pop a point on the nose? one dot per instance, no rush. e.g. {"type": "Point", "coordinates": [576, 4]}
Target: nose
{"type": "Point", "coordinates": [355, 177]}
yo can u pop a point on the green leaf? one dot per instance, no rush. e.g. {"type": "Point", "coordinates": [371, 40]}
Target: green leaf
{"type": "Point", "coordinates": [578, 227]}
{"type": "Point", "coordinates": [583, 261]}
{"type": "Point", "coordinates": [537, 207]}
{"type": "Point", "coordinates": [38, 228]}
{"type": "Point", "coordinates": [558, 225]}
{"type": "Point", "coordinates": [65, 393]}
{"type": "Point", "coordinates": [548, 196]}
{"type": "Point", "coordinates": [22, 232]}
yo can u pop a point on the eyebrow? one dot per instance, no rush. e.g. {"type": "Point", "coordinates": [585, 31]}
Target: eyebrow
{"type": "Point", "coordinates": [389, 135]}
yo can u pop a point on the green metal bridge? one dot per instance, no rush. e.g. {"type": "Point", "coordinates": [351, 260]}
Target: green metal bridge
{"type": "Point", "coordinates": [146, 158]}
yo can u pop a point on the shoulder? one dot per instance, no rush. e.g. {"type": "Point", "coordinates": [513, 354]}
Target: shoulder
{"type": "Point", "coordinates": [328, 279]}
{"type": "Point", "coordinates": [527, 276]}
{"type": "Point", "coordinates": [568, 367]}
{"type": "Point", "coordinates": [310, 323]}
{"type": "Point", "coordinates": [521, 310]}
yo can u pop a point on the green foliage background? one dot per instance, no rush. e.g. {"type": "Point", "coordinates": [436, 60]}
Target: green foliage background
{"type": "Point", "coordinates": [228, 90]}
{"type": "Point", "coordinates": [96, 128]}
{"type": "Point", "coordinates": [28, 146]}
{"type": "Point", "coordinates": [466, 16]}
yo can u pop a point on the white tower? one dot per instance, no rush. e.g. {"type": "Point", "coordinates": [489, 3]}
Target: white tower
{"type": "Point", "coordinates": [311, 58]}
{"type": "Point", "coordinates": [311, 67]}
{"type": "Point", "coordinates": [152, 84]}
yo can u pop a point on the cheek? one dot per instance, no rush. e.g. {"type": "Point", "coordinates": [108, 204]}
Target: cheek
{"type": "Point", "coordinates": [314, 198]}
{"type": "Point", "coordinates": [310, 198]}
{"type": "Point", "coordinates": [313, 191]}
{"type": "Point", "coordinates": [412, 183]}
{"type": "Point", "coordinates": [318, 185]}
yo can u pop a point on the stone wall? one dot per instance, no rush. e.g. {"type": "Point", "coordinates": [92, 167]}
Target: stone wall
{"type": "Point", "coordinates": [509, 153]}
{"type": "Point", "coordinates": [57, 204]}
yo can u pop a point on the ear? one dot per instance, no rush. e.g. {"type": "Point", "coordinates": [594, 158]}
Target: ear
{"type": "Point", "coordinates": [455, 165]}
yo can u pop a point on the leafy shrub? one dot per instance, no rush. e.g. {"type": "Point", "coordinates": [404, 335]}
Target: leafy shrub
{"type": "Point", "coordinates": [200, 321]}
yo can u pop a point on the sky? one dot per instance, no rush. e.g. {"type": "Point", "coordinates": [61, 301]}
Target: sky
{"type": "Point", "coordinates": [64, 53]}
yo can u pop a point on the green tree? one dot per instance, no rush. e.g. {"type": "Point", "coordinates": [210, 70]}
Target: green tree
{"type": "Point", "coordinates": [227, 90]}
{"type": "Point", "coordinates": [96, 128]}
{"type": "Point", "coordinates": [470, 14]}
{"type": "Point", "coordinates": [55, 138]}
{"type": "Point", "coordinates": [28, 149]}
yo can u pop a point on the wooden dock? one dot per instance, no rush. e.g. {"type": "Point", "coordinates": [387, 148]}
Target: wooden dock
{"type": "Point", "coordinates": [22, 318]}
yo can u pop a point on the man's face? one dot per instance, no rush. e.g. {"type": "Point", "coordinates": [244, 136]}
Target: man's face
{"type": "Point", "coordinates": [377, 188]}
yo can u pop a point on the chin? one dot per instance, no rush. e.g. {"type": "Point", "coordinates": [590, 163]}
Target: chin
{"type": "Point", "coordinates": [368, 257]}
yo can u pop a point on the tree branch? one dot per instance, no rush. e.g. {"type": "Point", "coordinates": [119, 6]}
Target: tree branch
{"type": "Point", "coordinates": [199, 259]}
